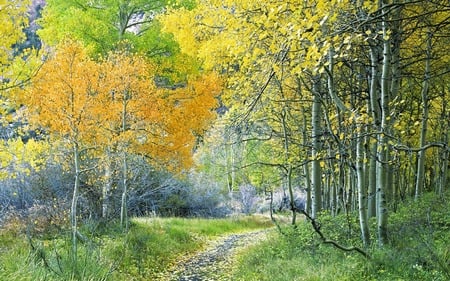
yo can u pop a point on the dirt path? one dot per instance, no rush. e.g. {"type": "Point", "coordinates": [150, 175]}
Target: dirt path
{"type": "Point", "coordinates": [216, 261]}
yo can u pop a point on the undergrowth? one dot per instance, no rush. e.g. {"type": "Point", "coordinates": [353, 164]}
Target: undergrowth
{"type": "Point", "coordinates": [106, 253]}
{"type": "Point", "coordinates": [418, 248]}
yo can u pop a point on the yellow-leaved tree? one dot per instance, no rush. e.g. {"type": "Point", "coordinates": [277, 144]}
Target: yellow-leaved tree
{"type": "Point", "coordinates": [371, 72]}
{"type": "Point", "coordinates": [15, 69]}
{"type": "Point", "coordinates": [13, 19]}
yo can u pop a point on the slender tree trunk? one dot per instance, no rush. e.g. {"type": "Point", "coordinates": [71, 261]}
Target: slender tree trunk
{"type": "Point", "coordinates": [333, 187]}
{"type": "Point", "coordinates": [308, 202]}
{"type": "Point", "coordinates": [348, 184]}
{"type": "Point", "coordinates": [340, 107]}
{"type": "Point", "coordinates": [233, 155]}
{"type": "Point", "coordinates": [383, 156]}
{"type": "Point", "coordinates": [372, 180]}
{"type": "Point", "coordinates": [288, 166]}
{"type": "Point", "coordinates": [445, 155]}
{"type": "Point", "coordinates": [395, 41]}
{"type": "Point", "coordinates": [326, 190]}
{"type": "Point", "coordinates": [228, 158]}
{"type": "Point", "coordinates": [424, 126]}
{"type": "Point", "coordinates": [389, 172]}
{"type": "Point", "coordinates": [306, 170]}
{"type": "Point", "coordinates": [444, 169]}
{"type": "Point", "coordinates": [107, 186]}
{"type": "Point", "coordinates": [316, 179]}
{"type": "Point", "coordinates": [73, 208]}
{"type": "Point", "coordinates": [123, 205]}
{"type": "Point", "coordinates": [373, 143]}
{"type": "Point", "coordinates": [362, 190]}
{"type": "Point", "coordinates": [333, 199]}
{"type": "Point", "coordinates": [291, 194]}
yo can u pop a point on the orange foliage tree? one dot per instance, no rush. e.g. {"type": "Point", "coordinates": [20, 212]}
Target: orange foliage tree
{"type": "Point", "coordinates": [185, 113]}
{"type": "Point", "coordinates": [63, 100]}
{"type": "Point", "coordinates": [162, 123]}
{"type": "Point", "coordinates": [113, 105]}
{"type": "Point", "coordinates": [131, 106]}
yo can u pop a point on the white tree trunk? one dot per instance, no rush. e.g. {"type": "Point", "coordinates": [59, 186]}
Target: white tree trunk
{"type": "Point", "coordinates": [288, 166]}
{"type": "Point", "coordinates": [424, 124]}
{"type": "Point", "coordinates": [383, 156]}
{"type": "Point", "coordinates": [107, 186]}
{"type": "Point", "coordinates": [123, 205]}
{"type": "Point", "coordinates": [445, 155]}
{"type": "Point", "coordinates": [308, 202]}
{"type": "Point", "coordinates": [73, 208]}
{"type": "Point", "coordinates": [361, 186]}
{"type": "Point", "coordinates": [316, 178]}
{"type": "Point", "coordinates": [373, 144]}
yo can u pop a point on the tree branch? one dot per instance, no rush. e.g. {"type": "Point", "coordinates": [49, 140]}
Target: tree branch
{"type": "Point", "coordinates": [316, 227]}
{"type": "Point", "coordinates": [418, 149]}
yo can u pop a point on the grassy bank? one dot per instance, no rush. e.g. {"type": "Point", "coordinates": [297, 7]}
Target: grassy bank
{"type": "Point", "coordinates": [105, 253]}
{"type": "Point", "coordinates": [418, 250]}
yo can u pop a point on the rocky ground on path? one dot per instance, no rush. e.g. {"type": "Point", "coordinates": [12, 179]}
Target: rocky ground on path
{"type": "Point", "coordinates": [216, 261]}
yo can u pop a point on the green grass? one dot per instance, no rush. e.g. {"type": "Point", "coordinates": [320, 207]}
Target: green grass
{"type": "Point", "coordinates": [418, 249]}
{"type": "Point", "coordinates": [150, 247]}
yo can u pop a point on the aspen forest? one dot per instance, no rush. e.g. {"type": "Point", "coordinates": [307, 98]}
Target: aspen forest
{"type": "Point", "coordinates": [138, 135]}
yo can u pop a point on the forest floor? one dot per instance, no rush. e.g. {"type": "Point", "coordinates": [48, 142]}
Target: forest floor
{"type": "Point", "coordinates": [216, 261]}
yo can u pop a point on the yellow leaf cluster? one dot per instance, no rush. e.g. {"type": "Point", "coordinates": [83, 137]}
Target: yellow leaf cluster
{"type": "Point", "coordinates": [13, 70]}
{"type": "Point", "coordinates": [21, 157]}
{"type": "Point", "coordinates": [13, 19]}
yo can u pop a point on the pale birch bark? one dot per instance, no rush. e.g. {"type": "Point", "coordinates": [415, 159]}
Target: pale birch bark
{"type": "Point", "coordinates": [123, 205]}
{"type": "Point", "coordinates": [424, 124]}
{"type": "Point", "coordinates": [361, 187]}
{"type": "Point", "coordinates": [382, 155]}
{"type": "Point", "coordinates": [373, 144]}
{"type": "Point", "coordinates": [306, 171]}
{"type": "Point", "coordinates": [445, 155]}
{"type": "Point", "coordinates": [107, 186]}
{"type": "Point", "coordinates": [308, 202]}
{"type": "Point", "coordinates": [288, 175]}
{"type": "Point", "coordinates": [316, 171]}
{"type": "Point", "coordinates": [340, 107]}
{"type": "Point", "coordinates": [394, 86]}
{"type": "Point", "coordinates": [73, 208]}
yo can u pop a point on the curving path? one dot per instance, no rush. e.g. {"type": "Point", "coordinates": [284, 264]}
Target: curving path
{"type": "Point", "coordinates": [216, 261]}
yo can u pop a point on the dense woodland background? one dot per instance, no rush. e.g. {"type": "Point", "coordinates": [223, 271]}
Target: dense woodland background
{"type": "Point", "coordinates": [115, 109]}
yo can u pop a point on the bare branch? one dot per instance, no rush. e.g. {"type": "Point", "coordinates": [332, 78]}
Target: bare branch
{"type": "Point", "coordinates": [316, 227]}
{"type": "Point", "coordinates": [418, 149]}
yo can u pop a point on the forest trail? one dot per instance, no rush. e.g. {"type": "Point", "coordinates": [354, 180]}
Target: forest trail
{"type": "Point", "coordinates": [216, 261]}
